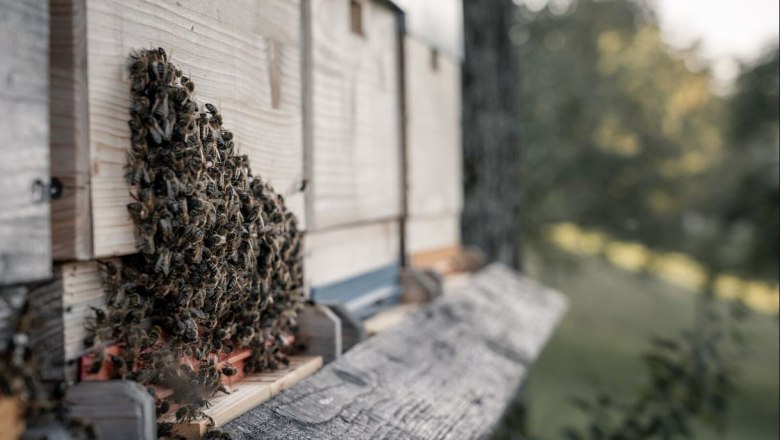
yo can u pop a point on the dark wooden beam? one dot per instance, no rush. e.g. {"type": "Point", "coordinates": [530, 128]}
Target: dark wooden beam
{"type": "Point", "coordinates": [447, 372]}
{"type": "Point", "coordinates": [491, 147]}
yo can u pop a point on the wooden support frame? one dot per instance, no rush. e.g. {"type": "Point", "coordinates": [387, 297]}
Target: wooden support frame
{"type": "Point", "coordinates": [449, 372]}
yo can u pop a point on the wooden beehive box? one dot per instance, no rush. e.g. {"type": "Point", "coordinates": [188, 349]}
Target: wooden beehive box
{"type": "Point", "coordinates": [244, 57]}
{"type": "Point", "coordinates": [434, 150]}
{"type": "Point", "coordinates": [354, 143]}
{"type": "Point", "coordinates": [433, 51]}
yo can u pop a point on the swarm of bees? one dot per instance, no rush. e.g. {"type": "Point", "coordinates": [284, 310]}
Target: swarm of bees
{"type": "Point", "coordinates": [219, 263]}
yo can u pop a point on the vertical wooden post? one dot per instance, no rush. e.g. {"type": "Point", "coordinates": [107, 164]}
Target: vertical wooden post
{"type": "Point", "coordinates": [25, 236]}
{"type": "Point", "coordinates": [491, 148]}
{"type": "Point", "coordinates": [71, 219]}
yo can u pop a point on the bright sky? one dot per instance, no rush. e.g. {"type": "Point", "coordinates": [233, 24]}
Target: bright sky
{"type": "Point", "coordinates": [727, 29]}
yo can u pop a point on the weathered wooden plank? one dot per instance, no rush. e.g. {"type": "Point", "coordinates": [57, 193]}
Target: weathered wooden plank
{"type": "Point", "coordinates": [66, 302]}
{"type": "Point", "coordinates": [25, 236]}
{"type": "Point", "coordinates": [247, 394]}
{"type": "Point", "coordinates": [244, 57]}
{"type": "Point", "coordinates": [355, 111]}
{"type": "Point", "coordinates": [447, 373]}
{"type": "Point", "coordinates": [340, 254]}
{"type": "Point", "coordinates": [118, 409]}
{"type": "Point", "coordinates": [71, 212]}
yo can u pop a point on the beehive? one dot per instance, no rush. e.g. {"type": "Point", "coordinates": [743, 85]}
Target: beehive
{"type": "Point", "coordinates": [433, 53]}
{"type": "Point", "coordinates": [243, 55]}
{"type": "Point", "coordinates": [354, 149]}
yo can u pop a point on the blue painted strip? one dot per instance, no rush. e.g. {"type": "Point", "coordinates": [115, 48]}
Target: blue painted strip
{"type": "Point", "coordinates": [364, 294]}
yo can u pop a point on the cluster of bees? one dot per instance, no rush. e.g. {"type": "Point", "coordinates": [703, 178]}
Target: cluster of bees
{"type": "Point", "coordinates": [219, 264]}
{"type": "Point", "coordinates": [19, 364]}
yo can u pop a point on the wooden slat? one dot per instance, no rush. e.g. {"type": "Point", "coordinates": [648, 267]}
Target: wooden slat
{"type": "Point", "coordinates": [25, 236]}
{"type": "Point", "coordinates": [432, 233]}
{"type": "Point", "coordinates": [249, 393]}
{"type": "Point", "coordinates": [446, 373]}
{"type": "Point", "coordinates": [340, 254]}
{"type": "Point", "coordinates": [434, 138]}
{"type": "Point", "coordinates": [356, 128]}
{"type": "Point", "coordinates": [118, 409]}
{"type": "Point", "coordinates": [71, 213]}
{"type": "Point", "coordinates": [244, 57]}
{"type": "Point", "coordinates": [66, 303]}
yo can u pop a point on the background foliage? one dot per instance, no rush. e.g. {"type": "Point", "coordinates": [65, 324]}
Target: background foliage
{"type": "Point", "coordinates": [624, 134]}
{"type": "Point", "coordinates": [627, 136]}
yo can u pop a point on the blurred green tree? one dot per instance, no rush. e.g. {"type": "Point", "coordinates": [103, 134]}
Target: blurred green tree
{"type": "Point", "coordinates": [625, 135]}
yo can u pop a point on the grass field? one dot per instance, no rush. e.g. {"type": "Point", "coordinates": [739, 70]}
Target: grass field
{"type": "Point", "coordinates": [613, 315]}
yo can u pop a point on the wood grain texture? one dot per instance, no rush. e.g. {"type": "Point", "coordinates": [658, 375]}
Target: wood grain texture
{"type": "Point", "coordinates": [343, 253]}
{"type": "Point", "coordinates": [355, 116]}
{"type": "Point", "coordinates": [25, 236]}
{"type": "Point", "coordinates": [119, 409]}
{"type": "Point", "coordinates": [71, 220]}
{"type": "Point", "coordinates": [249, 393]}
{"type": "Point", "coordinates": [244, 57]}
{"type": "Point", "coordinates": [66, 302]}
{"type": "Point", "coordinates": [446, 373]}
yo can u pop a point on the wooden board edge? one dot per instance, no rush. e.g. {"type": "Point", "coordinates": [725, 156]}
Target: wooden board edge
{"type": "Point", "coordinates": [263, 387]}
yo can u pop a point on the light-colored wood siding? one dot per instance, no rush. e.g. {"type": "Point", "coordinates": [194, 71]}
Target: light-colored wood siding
{"type": "Point", "coordinates": [355, 164]}
{"type": "Point", "coordinates": [244, 57]}
{"type": "Point", "coordinates": [339, 254]}
{"type": "Point", "coordinates": [25, 235]}
{"type": "Point", "coordinates": [432, 233]}
{"type": "Point", "coordinates": [435, 196]}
